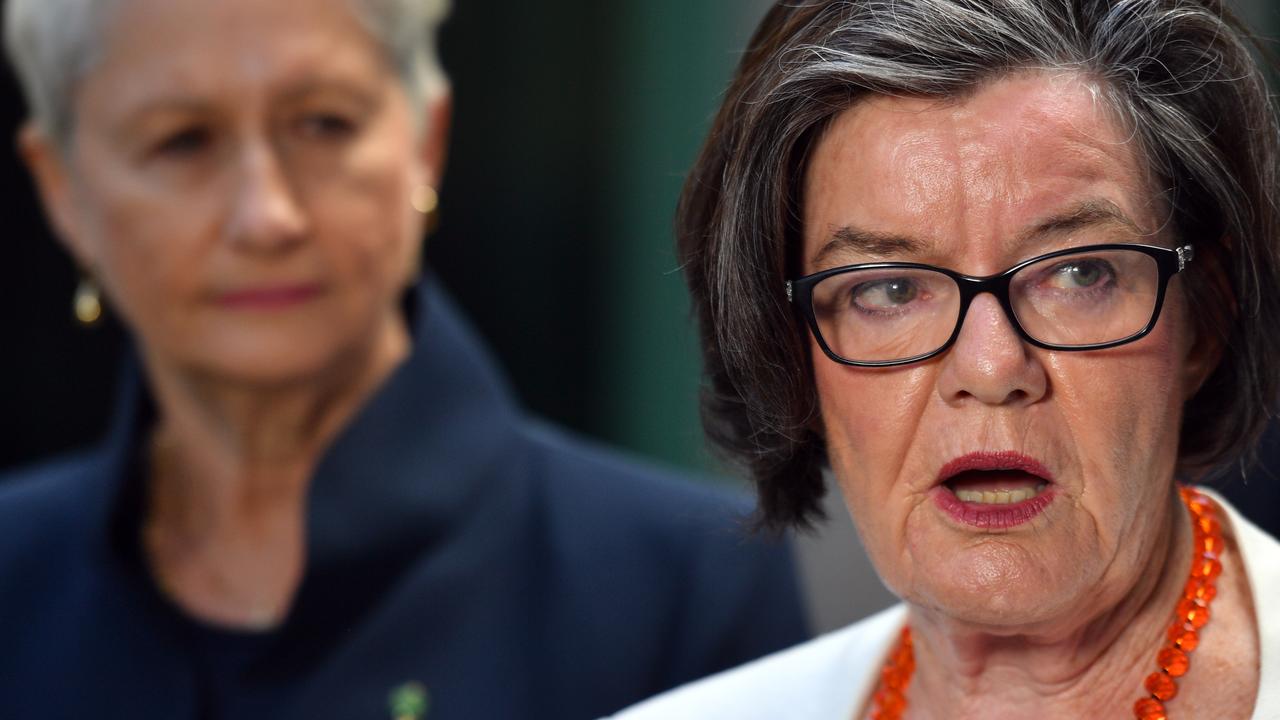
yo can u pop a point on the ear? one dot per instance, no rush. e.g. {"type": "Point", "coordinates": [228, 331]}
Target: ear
{"type": "Point", "coordinates": [433, 147]}
{"type": "Point", "coordinates": [47, 164]}
{"type": "Point", "coordinates": [1205, 346]}
{"type": "Point", "coordinates": [1203, 355]}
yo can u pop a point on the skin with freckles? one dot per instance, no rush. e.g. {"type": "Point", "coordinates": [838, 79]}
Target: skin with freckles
{"type": "Point", "coordinates": [1069, 606]}
{"type": "Point", "coordinates": [239, 180]}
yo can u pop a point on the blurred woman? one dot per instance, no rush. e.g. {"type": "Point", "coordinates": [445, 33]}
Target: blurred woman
{"type": "Point", "coordinates": [1009, 271]}
{"type": "Point", "coordinates": [317, 494]}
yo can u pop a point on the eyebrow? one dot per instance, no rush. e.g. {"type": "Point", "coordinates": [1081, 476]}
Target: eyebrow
{"type": "Point", "coordinates": [166, 105]}
{"type": "Point", "coordinates": [195, 105]}
{"type": "Point", "coordinates": [1087, 214]}
{"type": "Point", "coordinates": [320, 85]}
{"type": "Point", "coordinates": [868, 242]}
{"type": "Point", "coordinates": [137, 119]}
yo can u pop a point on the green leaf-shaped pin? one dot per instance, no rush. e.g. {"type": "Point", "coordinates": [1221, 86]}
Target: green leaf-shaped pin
{"type": "Point", "coordinates": [409, 701]}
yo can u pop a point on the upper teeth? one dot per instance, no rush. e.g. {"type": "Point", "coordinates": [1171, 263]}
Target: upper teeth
{"type": "Point", "coordinates": [998, 497]}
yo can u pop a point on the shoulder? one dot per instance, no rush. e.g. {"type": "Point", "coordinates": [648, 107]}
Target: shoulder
{"type": "Point", "coordinates": [47, 515]}
{"type": "Point", "coordinates": [665, 563]}
{"type": "Point", "coordinates": [825, 677]}
{"type": "Point", "coordinates": [35, 491]}
{"type": "Point", "coordinates": [48, 503]}
{"type": "Point", "coordinates": [1261, 555]}
{"type": "Point", "coordinates": [581, 475]}
{"type": "Point", "coordinates": [603, 510]}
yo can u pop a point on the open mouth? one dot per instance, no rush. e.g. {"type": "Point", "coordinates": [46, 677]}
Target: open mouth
{"type": "Point", "coordinates": [995, 487]}
{"type": "Point", "coordinates": [994, 490]}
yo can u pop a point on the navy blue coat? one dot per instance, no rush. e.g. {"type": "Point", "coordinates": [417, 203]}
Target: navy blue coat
{"type": "Point", "coordinates": [513, 571]}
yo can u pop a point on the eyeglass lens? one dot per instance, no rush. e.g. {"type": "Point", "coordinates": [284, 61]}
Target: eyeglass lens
{"type": "Point", "coordinates": [887, 314]}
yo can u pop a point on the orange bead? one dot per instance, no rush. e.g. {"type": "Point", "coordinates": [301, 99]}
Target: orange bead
{"type": "Point", "coordinates": [1209, 526]}
{"type": "Point", "coordinates": [906, 665]}
{"type": "Point", "coordinates": [1173, 661]}
{"type": "Point", "coordinates": [1149, 709]}
{"type": "Point", "coordinates": [1161, 686]}
{"type": "Point", "coordinates": [1198, 504]}
{"type": "Point", "coordinates": [1183, 637]}
{"type": "Point", "coordinates": [1193, 613]}
{"type": "Point", "coordinates": [893, 679]}
{"type": "Point", "coordinates": [1206, 568]}
{"type": "Point", "coordinates": [891, 702]}
{"type": "Point", "coordinates": [1198, 589]}
{"type": "Point", "coordinates": [1209, 546]}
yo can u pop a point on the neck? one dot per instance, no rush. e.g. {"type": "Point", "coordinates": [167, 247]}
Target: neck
{"type": "Point", "coordinates": [231, 467]}
{"type": "Point", "coordinates": [1093, 669]}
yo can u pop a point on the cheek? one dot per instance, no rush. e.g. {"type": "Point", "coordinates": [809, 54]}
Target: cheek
{"type": "Point", "coordinates": [363, 217]}
{"type": "Point", "coordinates": [870, 418]}
{"type": "Point", "coordinates": [1123, 410]}
{"type": "Point", "coordinates": [149, 248]}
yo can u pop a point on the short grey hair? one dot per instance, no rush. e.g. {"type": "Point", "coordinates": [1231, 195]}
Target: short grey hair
{"type": "Point", "coordinates": [1180, 74]}
{"type": "Point", "coordinates": [52, 44]}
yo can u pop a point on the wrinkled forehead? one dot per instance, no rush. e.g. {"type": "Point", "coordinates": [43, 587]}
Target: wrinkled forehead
{"type": "Point", "coordinates": [978, 168]}
{"type": "Point", "coordinates": [194, 35]}
{"type": "Point", "coordinates": [195, 52]}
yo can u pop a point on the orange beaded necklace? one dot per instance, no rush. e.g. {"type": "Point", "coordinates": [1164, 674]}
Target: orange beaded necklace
{"type": "Point", "coordinates": [1190, 616]}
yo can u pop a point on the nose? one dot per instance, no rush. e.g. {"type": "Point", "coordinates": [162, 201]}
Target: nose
{"type": "Point", "coordinates": [990, 362]}
{"type": "Point", "coordinates": [266, 216]}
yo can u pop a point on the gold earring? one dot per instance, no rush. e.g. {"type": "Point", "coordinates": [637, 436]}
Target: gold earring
{"type": "Point", "coordinates": [87, 302]}
{"type": "Point", "coordinates": [424, 199]}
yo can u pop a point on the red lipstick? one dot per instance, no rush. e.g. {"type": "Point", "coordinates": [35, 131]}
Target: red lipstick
{"type": "Point", "coordinates": [994, 491]}
{"type": "Point", "coordinates": [268, 298]}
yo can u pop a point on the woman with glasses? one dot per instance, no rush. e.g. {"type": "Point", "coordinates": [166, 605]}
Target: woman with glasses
{"type": "Point", "coordinates": [1008, 272]}
{"type": "Point", "coordinates": [318, 498]}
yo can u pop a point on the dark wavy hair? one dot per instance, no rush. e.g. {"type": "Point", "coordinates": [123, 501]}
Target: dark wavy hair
{"type": "Point", "coordinates": [1181, 75]}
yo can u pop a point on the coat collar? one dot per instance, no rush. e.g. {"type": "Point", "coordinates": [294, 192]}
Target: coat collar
{"type": "Point", "coordinates": [423, 449]}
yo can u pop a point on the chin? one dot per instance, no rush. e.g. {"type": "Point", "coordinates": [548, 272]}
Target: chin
{"type": "Point", "coordinates": [996, 589]}
{"type": "Point", "coordinates": [1003, 612]}
{"type": "Point", "coordinates": [276, 363]}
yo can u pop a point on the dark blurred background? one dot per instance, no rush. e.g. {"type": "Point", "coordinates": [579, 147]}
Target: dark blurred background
{"type": "Point", "coordinates": [575, 122]}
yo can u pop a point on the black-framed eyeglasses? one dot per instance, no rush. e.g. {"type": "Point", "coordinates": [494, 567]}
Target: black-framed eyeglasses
{"type": "Point", "coordinates": [894, 313]}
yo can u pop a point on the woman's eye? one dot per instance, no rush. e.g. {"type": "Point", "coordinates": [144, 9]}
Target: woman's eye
{"type": "Point", "coordinates": [326, 126]}
{"type": "Point", "coordinates": [186, 142]}
{"type": "Point", "coordinates": [1080, 274]}
{"type": "Point", "coordinates": [884, 294]}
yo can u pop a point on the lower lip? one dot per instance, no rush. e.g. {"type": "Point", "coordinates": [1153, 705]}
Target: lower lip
{"type": "Point", "coordinates": [992, 517]}
{"type": "Point", "coordinates": [269, 299]}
